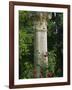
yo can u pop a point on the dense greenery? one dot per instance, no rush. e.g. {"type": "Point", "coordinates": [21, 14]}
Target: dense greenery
{"type": "Point", "coordinates": [26, 46]}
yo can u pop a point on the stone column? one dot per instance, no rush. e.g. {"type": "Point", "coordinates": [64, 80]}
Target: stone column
{"type": "Point", "coordinates": [40, 44]}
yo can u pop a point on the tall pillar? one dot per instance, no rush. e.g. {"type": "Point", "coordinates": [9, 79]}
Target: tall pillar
{"type": "Point", "coordinates": [40, 44]}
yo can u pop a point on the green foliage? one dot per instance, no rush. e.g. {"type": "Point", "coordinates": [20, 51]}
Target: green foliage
{"type": "Point", "coordinates": [27, 71]}
{"type": "Point", "coordinates": [51, 61]}
{"type": "Point", "coordinates": [55, 45]}
{"type": "Point", "coordinates": [25, 46]}
{"type": "Point", "coordinates": [25, 21]}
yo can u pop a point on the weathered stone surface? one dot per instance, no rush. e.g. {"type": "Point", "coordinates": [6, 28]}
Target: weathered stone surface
{"type": "Point", "coordinates": [40, 44]}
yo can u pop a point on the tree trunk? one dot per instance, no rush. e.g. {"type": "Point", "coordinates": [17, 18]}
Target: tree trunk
{"type": "Point", "coordinates": [40, 44]}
